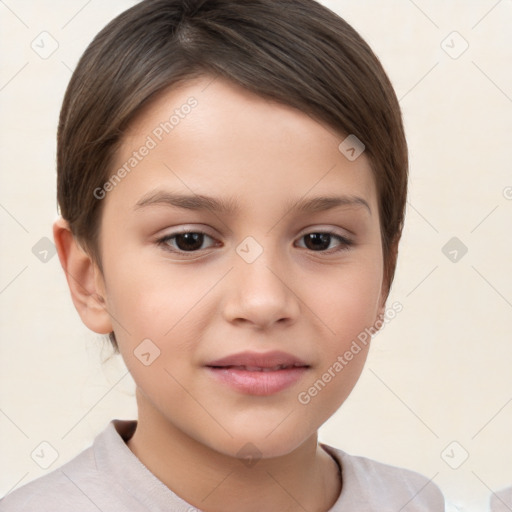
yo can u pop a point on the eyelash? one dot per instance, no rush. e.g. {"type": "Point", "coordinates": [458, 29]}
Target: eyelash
{"type": "Point", "coordinates": [345, 243]}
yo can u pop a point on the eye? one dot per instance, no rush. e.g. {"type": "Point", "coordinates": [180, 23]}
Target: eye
{"type": "Point", "coordinates": [320, 241]}
{"type": "Point", "coordinates": [192, 241]}
{"type": "Point", "coordinates": [185, 241]}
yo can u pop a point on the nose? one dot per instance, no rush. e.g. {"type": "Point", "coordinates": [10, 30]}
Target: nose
{"type": "Point", "coordinates": [261, 293]}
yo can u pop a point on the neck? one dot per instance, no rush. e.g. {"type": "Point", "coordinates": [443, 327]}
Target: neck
{"type": "Point", "coordinates": [305, 479]}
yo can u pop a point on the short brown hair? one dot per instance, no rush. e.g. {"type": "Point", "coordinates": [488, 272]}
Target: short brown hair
{"type": "Point", "coordinates": [296, 52]}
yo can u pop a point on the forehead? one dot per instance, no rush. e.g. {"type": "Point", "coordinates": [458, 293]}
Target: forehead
{"type": "Point", "coordinates": [211, 134]}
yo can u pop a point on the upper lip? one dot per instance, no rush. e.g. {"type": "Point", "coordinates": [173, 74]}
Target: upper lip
{"type": "Point", "coordinates": [259, 360]}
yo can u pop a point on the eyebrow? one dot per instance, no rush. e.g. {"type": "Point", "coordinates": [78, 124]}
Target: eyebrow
{"type": "Point", "coordinates": [230, 206]}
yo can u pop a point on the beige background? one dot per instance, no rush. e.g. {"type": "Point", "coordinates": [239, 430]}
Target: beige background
{"type": "Point", "coordinates": [438, 384]}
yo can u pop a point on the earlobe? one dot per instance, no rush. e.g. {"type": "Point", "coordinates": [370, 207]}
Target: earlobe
{"type": "Point", "coordinates": [84, 279]}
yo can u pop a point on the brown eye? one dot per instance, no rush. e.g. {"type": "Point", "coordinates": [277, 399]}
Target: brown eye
{"type": "Point", "coordinates": [318, 241]}
{"type": "Point", "coordinates": [190, 241]}
{"type": "Point", "coordinates": [321, 241]}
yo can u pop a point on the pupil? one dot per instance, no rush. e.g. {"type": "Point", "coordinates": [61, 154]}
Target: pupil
{"type": "Point", "coordinates": [193, 241]}
{"type": "Point", "coordinates": [319, 241]}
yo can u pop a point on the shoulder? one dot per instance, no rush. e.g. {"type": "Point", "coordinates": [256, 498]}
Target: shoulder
{"type": "Point", "coordinates": [91, 481]}
{"type": "Point", "coordinates": [377, 486]}
{"type": "Point", "coordinates": [501, 501]}
{"type": "Point", "coordinates": [59, 490]}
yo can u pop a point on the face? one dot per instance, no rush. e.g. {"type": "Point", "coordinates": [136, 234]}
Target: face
{"type": "Point", "coordinates": [235, 307]}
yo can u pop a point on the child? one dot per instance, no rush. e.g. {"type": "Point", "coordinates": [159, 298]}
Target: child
{"type": "Point", "coordinates": [268, 131]}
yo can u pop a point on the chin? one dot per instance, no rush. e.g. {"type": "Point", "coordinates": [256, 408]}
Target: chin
{"type": "Point", "coordinates": [263, 441]}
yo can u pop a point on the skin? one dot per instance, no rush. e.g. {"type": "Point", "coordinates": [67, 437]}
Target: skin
{"type": "Point", "coordinates": [203, 305]}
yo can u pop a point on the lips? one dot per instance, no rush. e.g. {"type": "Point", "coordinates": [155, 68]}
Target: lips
{"type": "Point", "coordinates": [254, 361]}
{"type": "Point", "coordinates": [259, 374]}
{"type": "Point", "coordinates": [261, 368]}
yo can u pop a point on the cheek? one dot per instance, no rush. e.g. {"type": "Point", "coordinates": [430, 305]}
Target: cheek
{"type": "Point", "coordinates": [146, 296]}
{"type": "Point", "coordinates": [348, 302]}
{"type": "Point", "coordinates": [347, 306]}
{"type": "Point", "coordinates": [163, 305]}
{"type": "Point", "coordinates": [154, 337]}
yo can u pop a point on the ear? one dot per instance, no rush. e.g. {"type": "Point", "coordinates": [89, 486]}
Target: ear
{"type": "Point", "coordinates": [84, 278]}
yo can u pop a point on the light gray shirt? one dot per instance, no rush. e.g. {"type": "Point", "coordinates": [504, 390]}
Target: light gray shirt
{"type": "Point", "coordinates": [108, 477]}
{"type": "Point", "coordinates": [501, 501]}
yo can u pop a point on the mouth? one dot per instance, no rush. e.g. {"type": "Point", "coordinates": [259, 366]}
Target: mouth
{"type": "Point", "coordinates": [259, 368]}
{"type": "Point", "coordinates": [260, 374]}
{"type": "Point", "coordinates": [255, 361]}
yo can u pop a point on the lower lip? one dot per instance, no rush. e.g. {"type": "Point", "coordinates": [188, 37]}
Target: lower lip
{"type": "Point", "coordinates": [259, 383]}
